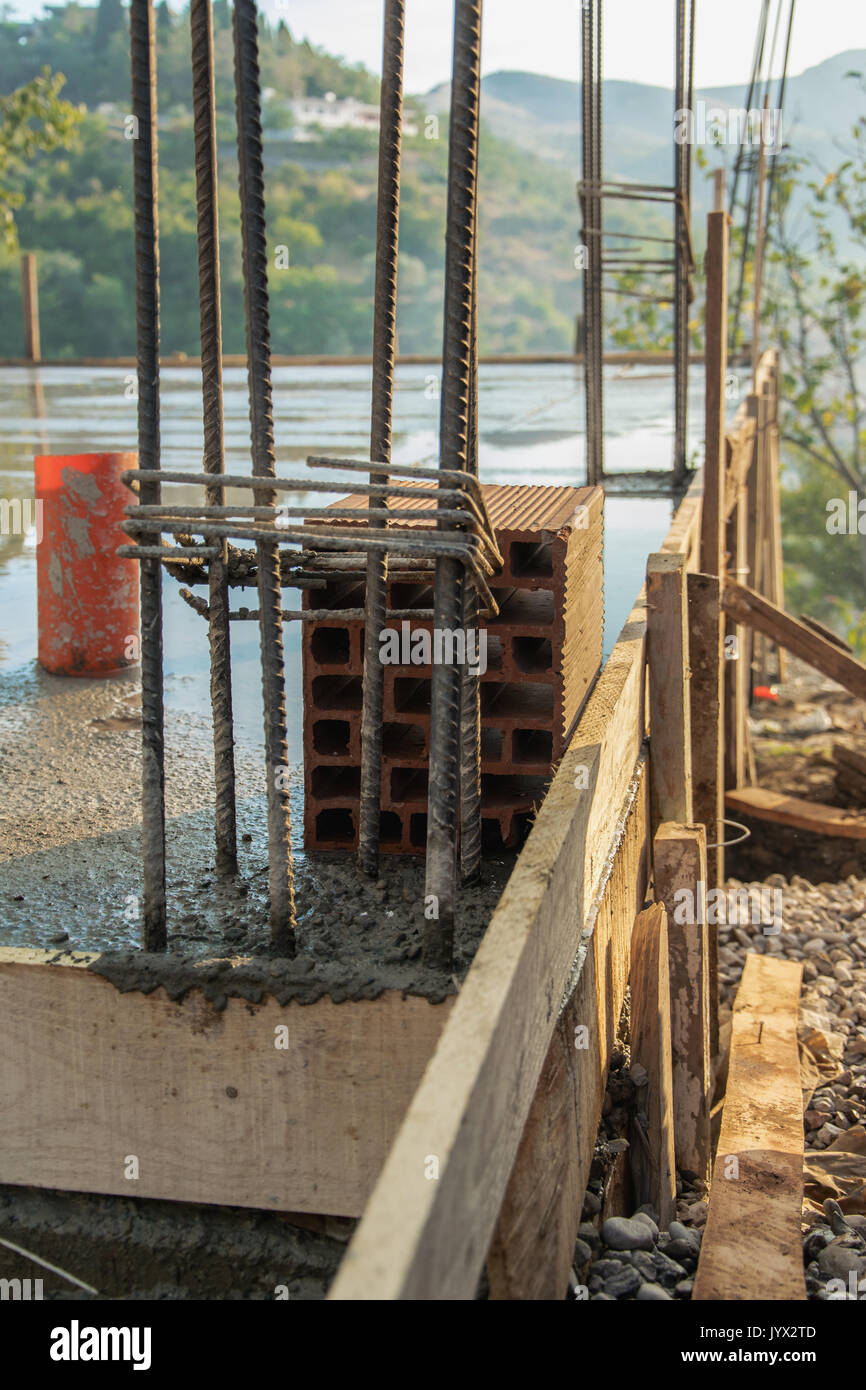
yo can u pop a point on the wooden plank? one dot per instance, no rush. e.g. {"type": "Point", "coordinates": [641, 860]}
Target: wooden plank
{"type": "Point", "coordinates": [684, 536]}
{"type": "Point", "coordinates": [745, 606]}
{"type": "Point", "coordinates": [740, 451]}
{"type": "Point", "coordinates": [716, 335]}
{"type": "Point", "coordinates": [707, 667]}
{"type": "Point", "coordinates": [738, 660]}
{"type": "Point", "coordinates": [669, 700]}
{"type": "Point", "coordinates": [680, 864]}
{"type": "Point", "coordinates": [707, 670]}
{"type": "Point", "coordinates": [212, 1109]}
{"type": "Point", "coordinates": [30, 306]}
{"type": "Point", "coordinates": [533, 1246]}
{"type": "Point", "coordinates": [653, 1167]}
{"type": "Point", "coordinates": [427, 1238]}
{"type": "Point", "coordinates": [762, 804]}
{"type": "Point", "coordinates": [752, 1246]}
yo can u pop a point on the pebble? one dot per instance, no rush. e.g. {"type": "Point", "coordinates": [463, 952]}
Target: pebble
{"type": "Point", "coordinates": [582, 1253]}
{"type": "Point", "coordinates": [652, 1293]}
{"type": "Point", "coordinates": [624, 1233]}
{"type": "Point", "coordinates": [626, 1282]}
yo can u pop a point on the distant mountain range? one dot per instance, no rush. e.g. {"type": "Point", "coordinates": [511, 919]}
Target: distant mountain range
{"type": "Point", "coordinates": [542, 116]}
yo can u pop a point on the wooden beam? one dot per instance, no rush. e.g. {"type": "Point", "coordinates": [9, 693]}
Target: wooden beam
{"type": "Point", "coordinates": [532, 1249]}
{"type": "Point", "coordinates": [684, 536]}
{"type": "Point", "coordinates": [707, 665]}
{"type": "Point", "coordinates": [739, 455]}
{"type": "Point", "coordinates": [669, 701]}
{"type": "Point", "coordinates": [425, 1237]}
{"type": "Point", "coordinates": [212, 1109]}
{"type": "Point", "coordinates": [680, 864]}
{"type": "Point", "coordinates": [716, 359]}
{"type": "Point", "coordinates": [737, 660]}
{"type": "Point", "coordinates": [761, 804]}
{"type": "Point", "coordinates": [653, 1166]}
{"type": "Point", "coordinates": [30, 305]}
{"type": "Point", "coordinates": [745, 606]}
{"type": "Point", "coordinates": [752, 1247]}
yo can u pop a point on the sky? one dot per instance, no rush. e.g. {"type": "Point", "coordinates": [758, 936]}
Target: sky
{"type": "Point", "coordinates": [542, 35]}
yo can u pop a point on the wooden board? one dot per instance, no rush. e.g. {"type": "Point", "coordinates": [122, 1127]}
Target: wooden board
{"type": "Point", "coordinates": [752, 1246]}
{"type": "Point", "coordinates": [762, 804]}
{"type": "Point", "coordinates": [212, 1110]}
{"type": "Point", "coordinates": [426, 1237]}
{"type": "Point", "coordinates": [706, 667]}
{"type": "Point", "coordinates": [716, 335]}
{"type": "Point", "coordinates": [745, 606]}
{"type": "Point", "coordinates": [653, 1166]}
{"type": "Point", "coordinates": [680, 863]}
{"type": "Point", "coordinates": [532, 1249]}
{"type": "Point", "coordinates": [669, 701]}
{"type": "Point", "coordinates": [684, 536]}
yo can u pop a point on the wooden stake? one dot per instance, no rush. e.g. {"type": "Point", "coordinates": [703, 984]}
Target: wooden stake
{"type": "Point", "coordinates": [669, 700]}
{"type": "Point", "coordinates": [752, 1247]}
{"type": "Point", "coordinates": [680, 860]}
{"type": "Point", "coordinates": [716, 366]}
{"type": "Point", "coordinates": [30, 302]}
{"type": "Point", "coordinates": [653, 1166]}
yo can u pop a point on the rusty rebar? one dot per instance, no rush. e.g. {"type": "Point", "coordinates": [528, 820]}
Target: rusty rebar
{"type": "Point", "coordinates": [384, 350]}
{"type": "Point", "coordinates": [441, 867]}
{"type": "Point", "coordinates": [143, 64]}
{"type": "Point", "coordinates": [204, 112]}
{"type": "Point", "coordinates": [470, 694]}
{"type": "Point", "coordinates": [254, 247]}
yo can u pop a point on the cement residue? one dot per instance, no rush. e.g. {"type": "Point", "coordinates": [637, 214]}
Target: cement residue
{"type": "Point", "coordinates": [71, 876]}
{"type": "Point", "coordinates": [143, 1248]}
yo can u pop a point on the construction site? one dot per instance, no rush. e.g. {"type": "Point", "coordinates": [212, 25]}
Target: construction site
{"type": "Point", "coordinates": [436, 942]}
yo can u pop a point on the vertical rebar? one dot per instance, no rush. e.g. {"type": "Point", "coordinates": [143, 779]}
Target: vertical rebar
{"type": "Point", "coordinates": [593, 301]}
{"type": "Point", "coordinates": [254, 245]}
{"type": "Point", "coordinates": [384, 351]}
{"type": "Point", "coordinates": [683, 94]}
{"type": "Point", "coordinates": [470, 695]}
{"type": "Point", "coordinates": [441, 868]}
{"type": "Point", "coordinates": [204, 111]}
{"type": "Point", "coordinates": [143, 56]}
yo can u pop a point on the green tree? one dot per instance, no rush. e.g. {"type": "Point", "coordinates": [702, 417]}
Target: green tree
{"type": "Point", "coordinates": [34, 119]}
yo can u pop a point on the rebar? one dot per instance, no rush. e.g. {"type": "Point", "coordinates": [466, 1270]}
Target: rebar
{"type": "Point", "coordinates": [441, 866]}
{"type": "Point", "coordinates": [204, 116]}
{"type": "Point", "coordinates": [143, 63]}
{"type": "Point", "coordinates": [384, 350]}
{"type": "Point", "coordinates": [470, 693]}
{"type": "Point", "coordinates": [254, 248]}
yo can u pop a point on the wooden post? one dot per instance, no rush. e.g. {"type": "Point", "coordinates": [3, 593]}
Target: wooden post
{"type": "Point", "coordinates": [653, 1165]}
{"type": "Point", "coordinates": [30, 302]}
{"type": "Point", "coordinates": [715, 367]}
{"type": "Point", "coordinates": [737, 659]}
{"type": "Point", "coordinates": [707, 662]}
{"type": "Point", "coordinates": [718, 190]}
{"type": "Point", "coordinates": [680, 859]}
{"type": "Point", "coordinates": [752, 1246]}
{"type": "Point", "coordinates": [759, 257]}
{"type": "Point", "coordinates": [669, 700]}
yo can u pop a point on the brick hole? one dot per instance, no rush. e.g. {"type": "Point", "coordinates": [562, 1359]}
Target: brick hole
{"type": "Point", "coordinates": [412, 696]}
{"type": "Point", "coordinates": [507, 700]}
{"type": "Point", "coordinates": [404, 741]}
{"type": "Point", "coordinates": [491, 745]}
{"type": "Point", "coordinates": [533, 655]}
{"type": "Point", "coordinates": [410, 596]}
{"type": "Point", "coordinates": [503, 790]}
{"type": "Point", "coordinates": [418, 829]}
{"type": "Point", "coordinates": [390, 828]}
{"type": "Point", "coordinates": [348, 594]}
{"type": "Point", "coordinates": [330, 645]}
{"type": "Point", "coordinates": [336, 823]}
{"type": "Point", "coordinates": [328, 782]}
{"type": "Point", "coordinates": [532, 746]}
{"type": "Point", "coordinates": [408, 784]}
{"type": "Point", "coordinates": [331, 736]}
{"type": "Point", "coordinates": [532, 559]}
{"type": "Point", "coordinates": [524, 607]}
{"type": "Point", "coordinates": [337, 692]}
{"type": "Point", "coordinates": [491, 836]}
{"type": "Point", "coordinates": [494, 651]}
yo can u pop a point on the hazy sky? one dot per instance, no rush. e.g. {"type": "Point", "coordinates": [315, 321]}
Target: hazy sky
{"type": "Point", "coordinates": [542, 35]}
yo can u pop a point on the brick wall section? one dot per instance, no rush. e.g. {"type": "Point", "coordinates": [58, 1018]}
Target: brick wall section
{"type": "Point", "coordinates": [543, 653]}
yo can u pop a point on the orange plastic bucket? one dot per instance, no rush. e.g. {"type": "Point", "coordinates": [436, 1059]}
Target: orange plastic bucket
{"type": "Point", "coordinates": [88, 598]}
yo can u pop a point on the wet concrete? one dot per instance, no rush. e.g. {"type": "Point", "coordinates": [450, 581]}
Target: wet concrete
{"type": "Point", "coordinates": [71, 867]}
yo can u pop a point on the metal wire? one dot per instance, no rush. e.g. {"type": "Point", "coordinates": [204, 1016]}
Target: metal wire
{"type": "Point", "coordinates": [143, 61]}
